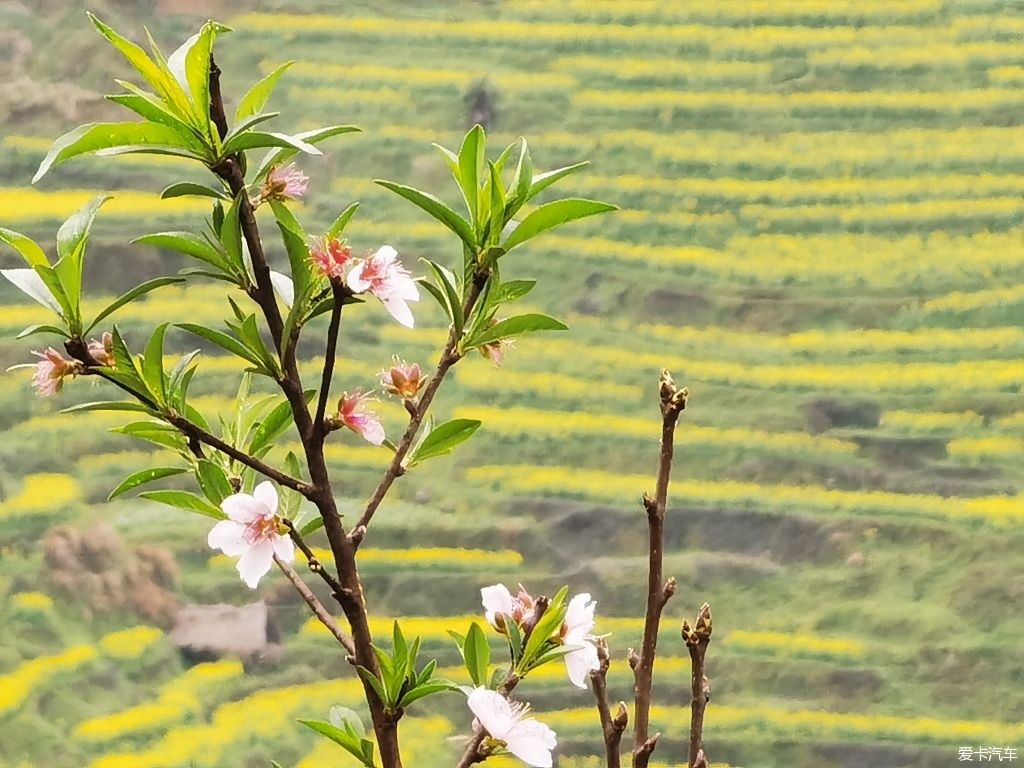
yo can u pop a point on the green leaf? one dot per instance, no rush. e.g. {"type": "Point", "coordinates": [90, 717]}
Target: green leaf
{"type": "Point", "coordinates": [186, 188]}
{"type": "Point", "coordinates": [445, 438]}
{"type": "Point", "coordinates": [346, 718]}
{"type": "Point", "coordinates": [231, 236]}
{"type": "Point", "coordinates": [524, 175]}
{"type": "Point", "coordinates": [280, 155]}
{"type": "Point", "coordinates": [142, 477]}
{"type": "Point", "coordinates": [294, 239]}
{"type": "Point", "coordinates": [72, 238]}
{"type": "Point", "coordinates": [125, 364]}
{"type": "Point", "coordinates": [107, 405]}
{"type": "Point", "coordinates": [497, 206]}
{"type": "Point", "coordinates": [30, 251]}
{"type": "Point", "coordinates": [338, 227]}
{"type": "Point", "coordinates": [343, 737]}
{"type": "Point", "coordinates": [158, 78]}
{"type": "Point", "coordinates": [514, 289]}
{"type": "Point", "coordinates": [29, 282]}
{"type": "Point", "coordinates": [191, 65]}
{"type": "Point", "coordinates": [312, 526]}
{"type": "Point", "coordinates": [471, 165]}
{"type": "Point", "coordinates": [190, 502]}
{"type": "Point", "coordinates": [515, 640]}
{"type": "Point", "coordinates": [213, 480]}
{"type": "Point", "coordinates": [424, 690]}
{"type": "Point", "coordinates": [554, 214]}
{"type": "Point", "coordinates": [477, 653]}
{"type": "Point", "coordinates": [129, 296]}
{"type": "Point", "coordinates": [94, 137]}
{"type": "Point", "coordinates": [34, 329]}
{"type": "Point", "coordinates": [189, 244]}
{"type": "Point", "coordinates": [256, 97]}
{"type": "Point", "coordinates": [150, 108]}
{"type": "Point", "coordinates": [374, 682]}
{"type": "Point", "coordinates": [452, 304]}
{"type": "Point", "coordinates": [435, 208]}
{"type": "Point", "coordinates": [544, 180]}
{"type": "Point", "coordinates": [257, 139]}
{"type": "Point", "coordinates": [224, 341]}
{"type": "Point", "coordinates": [273, 426]}
{"type": "Point", "coordinates": [516, 326]}
{"type": "Point", "coordinates": [546, 626]}
{"type": "Point", "coordinates": [153, 363]}
{"type": "Point", "coordinates": [158, 434]}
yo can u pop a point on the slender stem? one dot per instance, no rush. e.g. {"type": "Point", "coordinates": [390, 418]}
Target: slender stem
{"type": "Point", "coordinates": [315, 605]}
{"type": "Point", "coordinates": [673, 401]}
{"type": "Point", "coordinates": [611, 727]}
{"type": "Point", "coordinates": [329, 355]}
{"type": "Point", "coordinates": [312, 561]}
{"type": "Point", "coordinates": [697, 640]}
{"type": "Point", "coordinates": [449, 357]}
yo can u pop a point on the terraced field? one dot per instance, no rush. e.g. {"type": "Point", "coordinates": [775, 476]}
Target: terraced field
{"type": "Point", "coordinates": [820, 235]}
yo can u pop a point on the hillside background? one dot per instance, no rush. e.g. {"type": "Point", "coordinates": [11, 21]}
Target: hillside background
{"type": "Point", "coordinates": [820, 235]}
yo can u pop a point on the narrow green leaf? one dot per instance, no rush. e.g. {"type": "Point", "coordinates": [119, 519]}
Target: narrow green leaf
{"type": "Point", "coordinates": [514, 289]}
{"type": "Point", "coordinates": [150, 108]}
{"type": "Point", "coordinates": [32, 285]}
{"type": "Point", "coordinates": [338, 227]}
{"type": "Point", "coordinates": [452, 301]}
{"type": "Point", "coordinates": [34, 329]}
{"type": "Point", "coordinates": [187, 188]}
{"type": "Point", "coordinates": [542, 181]}
{"type": "Point", "coordinates": [343, 738]}
{"type": "Point", "coordinates": [445, 438]}
{"type": "Point", "coordinates": [142, 477]}
{"type": "Point", "coordinates": [189, 502]}
{"type": "Point", "coordinates": [129, 296]}
{"type": "Point", "coordinates": [153, 363]}
{"type": "Point", "coordinates": [554, 214]}
{"type": "Point", "coordinates": [256, 97]}
{"type": "Point", "coordinates": [30, 251]}
{"type": "Point", "coordinates": [424, 690]}
{"type": "Point", "coordinates": [516, 326]}
{"type": "Point", "coordinates": [270, 429]}
{"type": "Point", "coordinates": [231, 236]}
{"type": "Point", "coordinates": [258, 139]}
{"type": "Point", "coordinates": [524, 174]}
{"type": "Point", "coordinates": [107, 405]}
{"type": "Point", "coordinates": [471, 164]}
{"type": "Point", "coordinates": [95, 137]}
{"type": "Point", "coordinates": [189, 244]}
{"type": "Point", "coordinates": [280, 155]}
{"type": "Point", "coordinates": [477, 653]}
{"type": "Point", "coordinates": [224, 341]}
{"type": "Point", "coordinates": [312, 526]}
{"type": "Point", "coordinates": [213, 480]}
{"type": "Point", "coordinates": [435, 208]}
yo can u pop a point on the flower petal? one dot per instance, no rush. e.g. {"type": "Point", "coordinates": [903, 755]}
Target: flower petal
{"type": "Point", "coordinates": [581, 662]}
{"type": "Point", "coordinates": [579, 617]}
{"type": "Point", "coordinates": [356, 282]}
{"type": "Point", "coordinates": [241, 507]}
{"type": "Point", "coordinates": [229, 537]}
{"type": "Point", "coordinates": [493, 711]}
{"type": "Point", "coordinates": [399, 310]}
{"type": "Point", "coordinates": [497, 600]}
{"type": "Point", "coordinates": [266, 494]}
{"type": "Point", "coordinates": [532, 741]}
{"type": "Point", "coordinates": [284, 548]}
{"type": "Point", "coordinates": [256, 562]}
{"type": "Point", "coordinates": [386, 254]}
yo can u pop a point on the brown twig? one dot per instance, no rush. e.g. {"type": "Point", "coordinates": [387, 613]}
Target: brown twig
{"type": "Point", "coordinates": [316, 606]}
{"type": "Point", "coordinates": [449, 356]}
{"type": "Point", "coordinates": [697, 640]}
{"type": "Point", "coordinates": [611, 727]}
{"type": "Point", "coordinates": [328, 371]}
{"type": "Point", "coordinates": [673, 401]}
{"type": "Point", "coordinates": [350, 596]}
{"type": "Point", "coordinates": [312, 561]}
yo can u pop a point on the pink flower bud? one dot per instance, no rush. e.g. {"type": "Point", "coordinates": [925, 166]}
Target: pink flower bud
{"type": "Point", "coordinates": [102, 350]}
{"type": "Point", "coordinates": [51, 371]}
{"type": "Point", "coordinates": [495, 351]}
{"type": "Point", "coordinates": [330, 256]}
{"type": "Point", "coordinates": [403, 379]}
{"type": "Point", "coordinates": [354, 414]}
{"type": "Point", "coordinates": [284, 183]}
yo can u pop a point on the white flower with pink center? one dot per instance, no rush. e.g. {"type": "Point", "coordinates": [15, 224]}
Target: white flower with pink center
{"type": "Point", "coordinates": [354, 413]}
{"type": "Point", "coordinates": [509, 724]}
{"type": "Point", "coordinates": [383, 275]}
{"type": "Point", "coordinates": [251, 533]}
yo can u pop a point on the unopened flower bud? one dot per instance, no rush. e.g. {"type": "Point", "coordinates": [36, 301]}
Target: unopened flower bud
{"type": "Point", "coordinates": [102, 350]}
{"type": "Point", "coordinates": [403, 379]}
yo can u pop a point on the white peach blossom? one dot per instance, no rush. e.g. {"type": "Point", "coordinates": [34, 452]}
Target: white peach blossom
{"type": "Point", "coordinates": [251, 533]}
{"type": "Point", "coordinates": [509, 724]}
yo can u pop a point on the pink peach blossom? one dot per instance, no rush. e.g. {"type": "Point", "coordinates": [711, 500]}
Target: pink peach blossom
{"type": "Point", "coordinates": [330, 257]}
{"type": "Point", "coordinates": [102, 350]}
{"type": "Point", "coordinates": [251, 533]}
{"type": "Point", "coordinates": [354, 414]}
{"type": "Point", "coordinates": [51, 370]}
{"type": "Point", "coordinates": [382, 274]}
{"type": "Point", "coordinates": [284, 183]}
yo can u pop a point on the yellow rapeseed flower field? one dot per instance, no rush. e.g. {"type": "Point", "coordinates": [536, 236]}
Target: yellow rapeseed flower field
{"type": "Point", "coordinates": [29, 204]}
{"type": "Point", "coordinates": [18, 685]}
{"type": "Point", "coordinates": [130, 643]}
{"type": "Point", "coordinates": [44, 492]}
